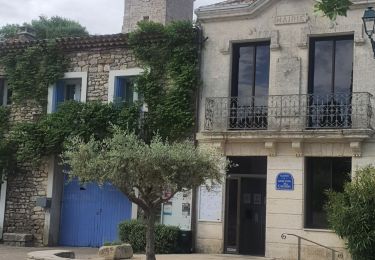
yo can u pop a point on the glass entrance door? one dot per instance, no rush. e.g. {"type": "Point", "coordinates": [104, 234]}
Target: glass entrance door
{"type": "Point", "coordinates": [246, 216]}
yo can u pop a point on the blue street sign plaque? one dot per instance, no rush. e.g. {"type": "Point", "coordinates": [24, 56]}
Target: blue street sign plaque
{"type": "Point", "coordinates": [284, 181]}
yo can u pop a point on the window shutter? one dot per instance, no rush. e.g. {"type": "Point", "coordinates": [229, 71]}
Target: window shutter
{"type": "Point", "coordinates": [119, 89]}
{"type": "Point", "coordinates": [58, 95]}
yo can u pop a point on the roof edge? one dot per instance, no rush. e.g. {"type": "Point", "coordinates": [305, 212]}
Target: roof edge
{"type": "Point", "coordinates": [239, 10]}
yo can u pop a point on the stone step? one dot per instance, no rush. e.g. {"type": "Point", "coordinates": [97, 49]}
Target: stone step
{"type": "Point", "coordinates": [241, 257]}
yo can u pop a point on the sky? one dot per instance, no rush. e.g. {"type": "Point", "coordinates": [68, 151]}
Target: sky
{"type": "Point", "coordinates": [98, 16]}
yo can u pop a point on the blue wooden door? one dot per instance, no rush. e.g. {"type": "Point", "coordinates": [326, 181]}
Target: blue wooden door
{"type": "Point", "coordinates": [90, 214]}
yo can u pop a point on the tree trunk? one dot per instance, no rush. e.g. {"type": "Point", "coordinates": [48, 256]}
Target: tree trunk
{"type": "Point", "coordinates": [150, 237]}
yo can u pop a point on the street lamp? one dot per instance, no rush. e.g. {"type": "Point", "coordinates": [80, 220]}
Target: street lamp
{"type": "Point", "coordinates": [369, 23]}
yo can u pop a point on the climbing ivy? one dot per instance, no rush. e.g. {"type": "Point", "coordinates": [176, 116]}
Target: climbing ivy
{"type": "Point", "coordinates": [169, 56]}
{"type": "Point", "coordinates": [28, 142]}
{"type": "Point", "coordinates": [5, 148]}
{"type": "Point", "coordinates": [32, 70]}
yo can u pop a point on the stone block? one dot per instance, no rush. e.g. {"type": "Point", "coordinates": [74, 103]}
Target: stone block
{"type": "Point", "coordinates": [51, 255]}
{"type": "Point", "coordinates": [124, 251]}
{"type": "Point", "coordinates": [18, 239]}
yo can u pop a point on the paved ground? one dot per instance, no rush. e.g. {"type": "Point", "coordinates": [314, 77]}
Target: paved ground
{"type": "Point", "coordinates": [19, 253]}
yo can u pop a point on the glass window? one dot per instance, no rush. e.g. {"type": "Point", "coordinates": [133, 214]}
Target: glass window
{"type": "Point", "coordinates": [331, 65]}
{"type": "Point", "coordinates": [251, 63]}
{"type": "Point", "coordinates": [330, 82]}
{"type": "Point", "coordinates": [124, 90]}
{"type": "Point", "coordinates": [65, 90]}
{"type": "Point", "coordinates": [323, 174]}
{"type": "Point", "coordinates": [5, 93]}
{"type": "Point", "coordinates": [248, 165]}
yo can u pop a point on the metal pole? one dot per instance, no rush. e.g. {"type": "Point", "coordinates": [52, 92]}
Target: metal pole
{"type": "Point", "coordinates": [299, 248]}
{"type": "Point", "coordinates": [333, 255]}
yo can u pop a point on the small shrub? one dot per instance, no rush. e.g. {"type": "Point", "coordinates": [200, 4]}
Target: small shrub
{"type": "Point", "coordinates": [351, 214]}
{"type": "Point", "coordinates": [134, 233]}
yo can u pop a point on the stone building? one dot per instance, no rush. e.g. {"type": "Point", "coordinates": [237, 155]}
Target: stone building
{"type": "Point", "coordinates": [160, 11]}
{"type": "Point", "coordinates": [38, 207]}
{"type": "Point", "coordinates": [288, 96]}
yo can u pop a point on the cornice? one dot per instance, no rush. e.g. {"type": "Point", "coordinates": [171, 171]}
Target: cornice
{"type": "Point", "coordinates": [249, 10]}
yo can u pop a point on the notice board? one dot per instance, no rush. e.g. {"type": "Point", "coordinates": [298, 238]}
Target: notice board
{"type": "Point", "coordinates": [210, 203]}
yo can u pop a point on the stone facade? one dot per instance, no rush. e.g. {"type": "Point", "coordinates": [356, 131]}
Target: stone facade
{"type": "Point", "coordinates": [98, 64]}
{"type": "Point", "coordinates": [288, 26]}
{"type": "Point", "coordinates": [160, 11]}
{"type": "Point", "coordinates": [22, 216]}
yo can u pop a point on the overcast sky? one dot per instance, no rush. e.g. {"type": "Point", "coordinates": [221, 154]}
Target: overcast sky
{"type": "Point", "coordinates": [99, 16]}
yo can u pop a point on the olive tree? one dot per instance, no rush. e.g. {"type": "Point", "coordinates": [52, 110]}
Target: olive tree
{"type": "Point", "coordinates": [148, 174]}
{"type": "Point", "coordinates": [351, 214]}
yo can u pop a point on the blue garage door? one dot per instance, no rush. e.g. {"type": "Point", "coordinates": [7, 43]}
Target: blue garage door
{"type": "Point", "coordinates": [90, 214]}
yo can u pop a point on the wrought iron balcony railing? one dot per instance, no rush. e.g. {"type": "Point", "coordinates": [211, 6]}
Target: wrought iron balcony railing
{"type": "Point", "coordinates": [289, 112]}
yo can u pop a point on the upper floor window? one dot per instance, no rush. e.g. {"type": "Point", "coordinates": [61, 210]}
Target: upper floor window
{"type": "Point", "coordinates": [250, 71]}
{"type": "Point", "coordinates": [5, 93]}
{"type": "Point", "coordinates": [250, 85]}
{"type": "Point", "coordinates": [72, 87]}
{"type": "Point", "coordinates": [124, 89]}
{"type": "Point", "coordinates": [330, 82]}
{"type": "Point", "coordinates": [121, 87]}
{"type": "Point", "coordinates": [331, 65]}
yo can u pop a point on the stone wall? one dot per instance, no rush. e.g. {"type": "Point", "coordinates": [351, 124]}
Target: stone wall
{"type": "Point", "coordinates": [179, 10]}
{"type": "Point", "coordinates": [98, 63]}
{"type": "Point", "coordinates": [160, 11]}
{"type": "Point", "coordinates": [137, 10]}
{"type": "Point", "coordinates": [21, 214]}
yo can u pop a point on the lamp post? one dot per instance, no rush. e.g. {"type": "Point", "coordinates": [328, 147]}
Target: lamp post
{"type": "Point", "coordinates": [369, 23]}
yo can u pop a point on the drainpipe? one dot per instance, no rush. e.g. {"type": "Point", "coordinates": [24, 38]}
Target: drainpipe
{"type": "Point", "coordinates": [200, 41]}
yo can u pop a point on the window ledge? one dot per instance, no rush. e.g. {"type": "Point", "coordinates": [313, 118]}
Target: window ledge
{"type": "Point", "coordinates": [318, 230]}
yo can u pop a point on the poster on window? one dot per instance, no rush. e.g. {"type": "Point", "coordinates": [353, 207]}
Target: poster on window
{"type": "Point", "coordinates": [210, 203]}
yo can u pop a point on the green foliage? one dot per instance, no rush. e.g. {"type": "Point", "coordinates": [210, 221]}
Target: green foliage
{"type": "Point", "coordinates": [351, 214]}
{"type": "Point", "coordinates": [27, 143]}
{"type": "Point", "coordinates": [46, 28]}
{"type": "Point", "coordinates": [5, 147]}
{"type": "Point", "coordinates": [4, 120]}
{"type": "Point", "coordinates": [169, 56]}
{"type": "Point", "coordinates": [8, 31]}
{"type": "Point", "coordinates": [114, 243]}
{"type": "Point", "coordinates": [57, 27]}
{"type": "Point", "coordinates": [32, 70]}
{"type": "Point", "coordinates": [128, 163]}
{"type": "Point", "coordinates": [333, 8]}
{"type": "Point", "coordinates": [134, 233]}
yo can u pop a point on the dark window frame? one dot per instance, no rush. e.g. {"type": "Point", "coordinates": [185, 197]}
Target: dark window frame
{"type": "Point", "coordinates": [235, 64]}
{"type": "Point", "coordinates": [311, 72]}
{"type": "Point", "coordinates": [308, 189]}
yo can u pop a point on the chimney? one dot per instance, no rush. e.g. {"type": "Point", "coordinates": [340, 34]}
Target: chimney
{"type": "Point", "coordinates": [26, 33]}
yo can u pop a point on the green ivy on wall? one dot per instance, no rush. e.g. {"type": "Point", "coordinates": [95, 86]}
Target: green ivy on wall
{"type": "Point", "coordinates": [32, 70]}
{"type": "Point", "coordinates": [169, 56]}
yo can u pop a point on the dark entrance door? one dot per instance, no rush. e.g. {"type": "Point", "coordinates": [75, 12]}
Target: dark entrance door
{"type": "Point", "coordinates": [253, 216]}
{"type": "Point", "coordinates": [246, 206]}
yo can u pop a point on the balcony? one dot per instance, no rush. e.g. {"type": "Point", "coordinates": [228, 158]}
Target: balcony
{"type": "Point", "coordinates": [290, 113]}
